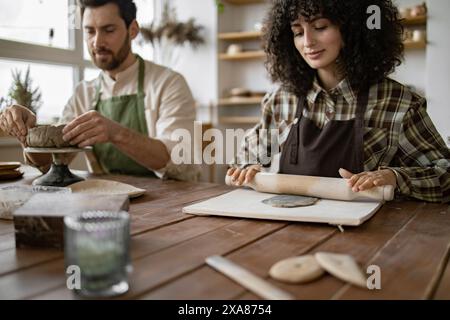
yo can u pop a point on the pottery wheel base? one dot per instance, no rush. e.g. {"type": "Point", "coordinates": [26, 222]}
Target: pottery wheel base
{"type": "Point", "coordinates": [59, 175]}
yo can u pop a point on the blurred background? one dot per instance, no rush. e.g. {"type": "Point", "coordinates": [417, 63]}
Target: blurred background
{"type": "Point", "coordinates": [223, 61]}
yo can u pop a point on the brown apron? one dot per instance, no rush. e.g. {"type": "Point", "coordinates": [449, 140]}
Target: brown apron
{"type": "Point", "coordinates": [312, 151]}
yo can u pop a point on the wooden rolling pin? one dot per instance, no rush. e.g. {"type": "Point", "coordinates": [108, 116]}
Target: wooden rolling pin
{"type": "Point", "coordinates": [320, 187]}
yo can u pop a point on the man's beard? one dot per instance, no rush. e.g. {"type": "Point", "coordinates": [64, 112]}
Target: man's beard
{"type": "Point", "coordinates": [116, 60]}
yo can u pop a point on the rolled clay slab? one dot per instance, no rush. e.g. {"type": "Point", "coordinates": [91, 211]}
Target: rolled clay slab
{"type": "Point", "coordinates": [342, 266]}
{"type": "Point", "coordinates": [47, 136]}
{"type": "Point", "coordinates": [290, 201]}
{"type": "Point", "coordinates": [297, 269]}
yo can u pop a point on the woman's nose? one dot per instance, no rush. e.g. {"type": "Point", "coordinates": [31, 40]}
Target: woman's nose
{"type": "Point", "coordinates": [309, 40]}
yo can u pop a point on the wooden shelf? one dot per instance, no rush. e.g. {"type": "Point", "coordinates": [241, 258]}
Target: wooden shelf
{"type": "Point", "coordinates": [242, 55]}
{"type": "Point", "coordinates": [415, 44]}
{"type": "Point", "coordinates": [243, 2]}
{"type": "Point", "coordinates": [238, 101]}
{"type": "Point", "coordinates": [415, 21]}
{"type": "Point", "coordinates": [239, 120]}
{"type": "Point", "coordinates": [237, 36]}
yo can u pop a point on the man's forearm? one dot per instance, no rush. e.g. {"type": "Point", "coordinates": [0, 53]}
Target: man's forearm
{"type": "Point", "coordinates": [148, 152]}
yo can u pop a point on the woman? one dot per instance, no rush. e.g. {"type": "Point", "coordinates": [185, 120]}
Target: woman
{"type": "Point", "coordinates": [336, 111]}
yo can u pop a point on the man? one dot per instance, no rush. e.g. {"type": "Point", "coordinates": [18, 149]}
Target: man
{"type": "Point", "coordinates": [128, 113]}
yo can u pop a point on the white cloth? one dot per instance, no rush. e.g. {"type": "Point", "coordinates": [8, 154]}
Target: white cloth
{"type": "Point", "coordinates": [169, 105]}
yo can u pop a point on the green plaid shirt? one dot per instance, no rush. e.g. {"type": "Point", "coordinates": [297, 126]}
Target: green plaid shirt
{"type": "Point", "coordinates": [398, 133]}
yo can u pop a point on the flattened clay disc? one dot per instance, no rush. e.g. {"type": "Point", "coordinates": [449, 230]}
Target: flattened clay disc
{"type": "Point", "coordinates": [296, 269]}
{"type": "Point", "coordinates": [290, 201]}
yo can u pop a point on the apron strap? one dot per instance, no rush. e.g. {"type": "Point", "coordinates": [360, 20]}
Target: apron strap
{"type": "Point", "coordinates": [141, 75]}
{"type": "Point", "coordinates": [98, 93]}
{"type": "Point", "coordinates": [361, 107]}
{"type": "Point", "coordinates": [293, 157]}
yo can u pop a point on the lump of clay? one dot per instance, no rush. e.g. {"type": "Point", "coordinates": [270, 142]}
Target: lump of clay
{"type": "Point", "coordinates": [290, 201]}
{"type": "Point", "coordinates": [46, 137]}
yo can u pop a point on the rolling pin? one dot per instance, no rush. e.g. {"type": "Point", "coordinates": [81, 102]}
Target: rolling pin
{"type": "Point", "coordinates": [320, 187]}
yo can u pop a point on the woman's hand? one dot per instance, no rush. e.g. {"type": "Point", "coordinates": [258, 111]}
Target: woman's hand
{"type": "Point", "coordinates": [241, 176]}
{"type": "Point", "coordinates": [369, 179]}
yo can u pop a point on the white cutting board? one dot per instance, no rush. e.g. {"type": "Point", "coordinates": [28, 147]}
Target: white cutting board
{"type": "Point", "coordinates": [247, 203]}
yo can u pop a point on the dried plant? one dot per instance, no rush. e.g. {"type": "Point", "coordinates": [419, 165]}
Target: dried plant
{"type": "Point", "coordinates": [22, 92]}
{"type": "Point", "coordinates": [169, 34]}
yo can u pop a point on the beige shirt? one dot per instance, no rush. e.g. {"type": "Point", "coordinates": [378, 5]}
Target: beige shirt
{"type": "Point", "coordinates": [169, 105]}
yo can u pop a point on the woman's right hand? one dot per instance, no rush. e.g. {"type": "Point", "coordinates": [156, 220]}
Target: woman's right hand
{"type": "Point", "coordinates": [16, 120]}
{"type": "Point", "coordinates": [241, 176]}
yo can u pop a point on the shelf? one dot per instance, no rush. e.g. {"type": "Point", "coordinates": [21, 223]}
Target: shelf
{"type": "Point", "coordinates": [239, 120]}
{"type": "Point", "coordinates": [415, 44]}
{"type": "Point", "coordinates": [236, 36]}
{"type": "Point", "coordinates": [238, 101]}
{"type": "Point", "coordinates": [415, 21]}
{"type": "Point", "coordinates": [242, 55]}
{"type": "Point", "coordinates": [243, 2]}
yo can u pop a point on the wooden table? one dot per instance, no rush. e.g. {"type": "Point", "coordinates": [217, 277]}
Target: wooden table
{"type": "Point", "coordinates": [408, 240]}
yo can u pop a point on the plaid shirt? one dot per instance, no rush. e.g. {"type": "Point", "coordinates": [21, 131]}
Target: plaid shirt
{"type": "Point", "coordinates": [398, 134]}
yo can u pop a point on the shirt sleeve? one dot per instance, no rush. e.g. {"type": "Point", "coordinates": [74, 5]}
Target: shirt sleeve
{"type": "Point", "coordinates": [422, 162]}
{"type": "Point", "coordinates": [256, 144]}
{"type": "Point", "coordinates": [177, 116]}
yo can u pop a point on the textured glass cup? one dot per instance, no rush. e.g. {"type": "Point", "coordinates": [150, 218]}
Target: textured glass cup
{"type": "Point", "coordinates": [97, 242]}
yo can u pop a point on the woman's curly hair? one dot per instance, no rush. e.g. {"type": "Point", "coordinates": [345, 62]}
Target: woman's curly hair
{"type": "Point", "coordinates": [366, 58]}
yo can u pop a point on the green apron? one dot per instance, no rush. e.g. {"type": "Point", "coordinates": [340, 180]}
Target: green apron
{"type": "Point", "coordinates": [127, 110]}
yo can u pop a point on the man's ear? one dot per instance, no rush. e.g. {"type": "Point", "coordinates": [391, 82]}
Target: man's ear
{"type": "Point", "coordinates": [133, 29]}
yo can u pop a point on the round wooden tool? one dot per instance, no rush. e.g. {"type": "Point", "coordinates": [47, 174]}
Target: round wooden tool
{"type": "Point", "coordinates": [320, 187]}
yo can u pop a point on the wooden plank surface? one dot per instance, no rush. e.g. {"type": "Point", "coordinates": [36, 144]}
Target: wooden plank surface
{"type": "Point", "coordinates": [409, 240]}
{"type": "Point", "coordinates": [299, 239]}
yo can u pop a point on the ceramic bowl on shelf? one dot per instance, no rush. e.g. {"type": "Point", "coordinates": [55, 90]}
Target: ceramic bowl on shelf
{"type": "Point", "coordinates": [240, 92]}
{"type": "Point", "coordinates": [234, 49]}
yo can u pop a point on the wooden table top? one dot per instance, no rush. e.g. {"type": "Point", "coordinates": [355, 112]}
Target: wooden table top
{"type": "Point", "coordinates": [408, 240]}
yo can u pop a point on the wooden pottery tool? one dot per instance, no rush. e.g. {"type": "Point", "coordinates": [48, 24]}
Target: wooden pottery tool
{"type": "Point", "coordinates": [247, 279]}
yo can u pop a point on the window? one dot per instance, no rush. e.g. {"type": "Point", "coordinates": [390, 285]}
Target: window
{"type": "Point", "coordinates": [55, 83]}
{"type": "Point", "coordinates": [58, 59]}
{"type": "Point", "coordinates": [35, 21]}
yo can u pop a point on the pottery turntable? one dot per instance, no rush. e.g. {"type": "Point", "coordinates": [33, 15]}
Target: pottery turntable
{"type": "Point", "coordinates": [59, 174]}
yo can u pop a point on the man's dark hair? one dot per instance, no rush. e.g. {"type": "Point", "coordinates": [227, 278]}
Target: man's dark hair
{"type": "Point", "coordinates": [127, 8]}
{"type": "Point", "coordinates": [367, 57]}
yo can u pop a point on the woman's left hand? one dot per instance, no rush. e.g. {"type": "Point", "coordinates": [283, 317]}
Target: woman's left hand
{"type": "Point", "coordinates": [369, 179]}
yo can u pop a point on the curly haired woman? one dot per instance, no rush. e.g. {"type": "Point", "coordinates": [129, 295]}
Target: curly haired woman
{"type": "Point", "coordinates": [336, 111]}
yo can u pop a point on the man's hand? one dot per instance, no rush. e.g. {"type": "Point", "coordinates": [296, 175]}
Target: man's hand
{"type": "Point", "coordinates": [16, 120]}
{"type": "Point", "coordinates": [369, 179]}
{"type": "Point", "coordinates": [240, 176]}
{"type": "Point", "coordinates": [91, 128]}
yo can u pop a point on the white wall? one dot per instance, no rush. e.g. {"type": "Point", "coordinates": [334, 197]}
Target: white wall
{"type": "Point", "coordinates": [429, 70]}
{"type": "Point", "coordinates": [438, 66]}
{"type": "Point", "coordinates": [199, 67]}
{"type": "Point", "coordinates": [413, 69]}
